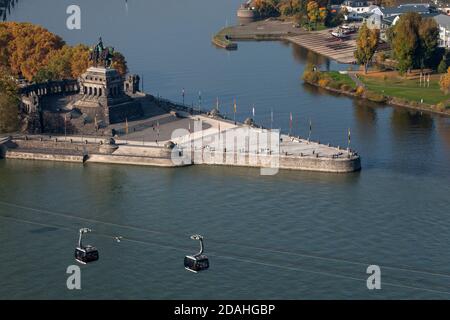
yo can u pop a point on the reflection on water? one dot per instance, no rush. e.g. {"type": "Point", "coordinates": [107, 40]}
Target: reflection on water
{"type": "Point", "coordinates": [402, 119]}
{"type": "Point", "coordinates": [366, 117]}
{"type": "Point", "coordinates": [305, 56]}
{"type": "Point", "coordinates": [365, 216]}
{"type": "Point", "coordinates": [443, 128]}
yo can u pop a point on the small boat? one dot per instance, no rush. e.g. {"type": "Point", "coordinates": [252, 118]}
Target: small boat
{"type": "Point", "coordinates": [340, 34]}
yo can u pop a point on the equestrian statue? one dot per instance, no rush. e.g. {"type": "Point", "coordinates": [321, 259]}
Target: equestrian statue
{"type": "Point", "coordinates": [101, 56]}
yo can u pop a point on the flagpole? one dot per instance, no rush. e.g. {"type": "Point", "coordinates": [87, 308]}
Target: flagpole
{"type": "Point", "coordinates": [126, 130]}
{"type": "Point", "coordinates": [235, 107]}
{"type": "Point", "coordinates": [271, 119]}
{"type": "Point", "coordinates": [310, 129]}
{"type": "Point", "coordinates": [65, 127]}
{"type": "Point", "coordinates": [349, 139]}
{"type": "Point", "coordinates": [290, 124]}
{"type": "Point", "coordinates": [253, 113]}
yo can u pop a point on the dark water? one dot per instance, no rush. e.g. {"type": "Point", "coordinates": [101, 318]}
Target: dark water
{"type": "Point", "coordinates": [296, 235]}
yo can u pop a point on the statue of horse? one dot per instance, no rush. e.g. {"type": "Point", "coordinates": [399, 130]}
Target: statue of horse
{"type": "Point", "coordinates": [101, 55]}
{"type": "Point", "coordinates": [106, 56]}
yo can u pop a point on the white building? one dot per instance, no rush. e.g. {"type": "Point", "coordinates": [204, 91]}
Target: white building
{"type": "Point", "coordinates": [443, 21]}
{"type": "Point", "coordinates": [356, 8]}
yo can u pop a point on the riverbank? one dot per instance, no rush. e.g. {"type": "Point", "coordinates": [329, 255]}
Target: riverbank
{"type": "Point", "coordinates": [359, 90]}
{"type": "Point", "coordinates": [320, 42]}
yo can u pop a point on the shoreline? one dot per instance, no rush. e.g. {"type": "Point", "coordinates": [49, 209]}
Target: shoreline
{"type": "Point", "coordinates": [391, 101]}
{"type": "Point", "coordinates": [315, 41]}
{"type": "Point", "coordinates": [319, 42]}
{"type": "Point", "coordinates": [292, 153]}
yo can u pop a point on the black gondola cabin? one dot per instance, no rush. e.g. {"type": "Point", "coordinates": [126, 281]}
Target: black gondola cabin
{"type": "Point", "coordinates": [196, 264]}
{"type": "Point", "coordinates": [86, 254]}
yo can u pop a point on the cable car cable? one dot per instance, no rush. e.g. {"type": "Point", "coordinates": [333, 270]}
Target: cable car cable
{"type": "Point", "coordinates": [226, 242]}
{"type": "Point", "coordinates": [238, 258]}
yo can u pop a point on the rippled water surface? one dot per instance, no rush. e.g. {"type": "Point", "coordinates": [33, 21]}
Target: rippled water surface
{"type": "Point", "coordinates": [297, 235]}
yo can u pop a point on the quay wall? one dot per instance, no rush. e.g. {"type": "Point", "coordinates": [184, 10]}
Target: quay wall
{"type": "Point", "coordinates": [160, 156]}
{"type": "Point", "coordinates": [2, 150]}
{"type": "Point", "coordinates": [306, 163]}
{"type": "Point", "coordinates": [321, 164]}
{"type": "Point", "coordinates": [23, 155]}
{"type": "Point", "coordinates": [133, 160]}
{"type": "Point", "coordinates": [56, 145]}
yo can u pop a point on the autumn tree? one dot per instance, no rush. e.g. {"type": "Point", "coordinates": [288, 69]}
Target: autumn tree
{"type": "Point", "coordinates": [366, 45]}
{"type": "Point", "coordinates": [313, 12]}
{"type": "Point", "coordinates": [28, 47]}
{"type": "Point", "coordinates": [323, 13]}
{"type": "Point", "coordinates": [445, 82]}
{"type": "Point", "coordinates": [119, 63]}
{"type": "Point", "coordinates": [39, 55]}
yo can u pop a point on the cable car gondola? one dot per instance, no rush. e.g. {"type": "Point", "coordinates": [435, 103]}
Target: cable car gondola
{"type": "Point", "coordinates": [85, 254]}
{"type": "Point", "coordinates": [198, 262]}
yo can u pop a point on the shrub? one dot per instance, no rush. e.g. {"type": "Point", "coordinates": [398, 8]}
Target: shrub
{"type": "Point", "coordinates": [359, 91]}
{"type": "Point", "coordinates": [311, 76]}
{"type": "Point", "coordinates": [346, 87]}
{"type": "Point", "coordinates": [375, 97]}
{"type": "Point", "coordinates": [335, 85]}
{"type": "Point", "coordinates": [324, 82]}
{"type": "Point", "coordinates": [443, 106]}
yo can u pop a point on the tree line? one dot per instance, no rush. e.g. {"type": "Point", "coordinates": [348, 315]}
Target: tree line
{"type": "Point", "coordinates": [304, 12]}
{"type": "Point", "coordinates": [34, 53]}
{"type": "Point", "coordinates": [414, 42]}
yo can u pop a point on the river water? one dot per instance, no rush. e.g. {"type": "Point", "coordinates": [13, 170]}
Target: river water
{"type": "Point", "coordinates": [296, 235]}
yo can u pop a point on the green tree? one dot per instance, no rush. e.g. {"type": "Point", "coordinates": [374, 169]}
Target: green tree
{"type": "Point", "coordinates": [267, 8]}
{"type": "Point", "coordinates": [9, 103]}
{"type": "Point", "coordinates": [366, 45]}
{"type": "Point", "coordinates": [442, 67]}
{"type": "Point", "coordinates": [405, 41]}
{"type": "Point", "coordinates": [428, 31]}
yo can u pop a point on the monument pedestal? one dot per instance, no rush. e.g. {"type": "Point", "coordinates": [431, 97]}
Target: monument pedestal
{"type": "Point", "coordinates": [103, 97]}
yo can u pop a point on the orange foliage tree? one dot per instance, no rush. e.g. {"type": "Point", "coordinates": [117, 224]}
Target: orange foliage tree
{"type": "Point", "coordinates": [40, 55]}
{"type": "Point", "coordinates": [27, 47]}
{"type": "Point", "coordinates": [445, 82]}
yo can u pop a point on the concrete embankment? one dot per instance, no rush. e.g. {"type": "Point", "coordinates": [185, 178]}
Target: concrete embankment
{"type": "Point", "coordinates": [321, 42]}
{"type": "Point", "coordinates": [305, 163]}
{"type": "Point", "coordinates": [85, 150]}
{"type": "Point", "coordinates": [22, 155]}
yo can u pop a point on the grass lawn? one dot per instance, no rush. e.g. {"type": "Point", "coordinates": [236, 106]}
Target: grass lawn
{"type": "Point", "coordinates": [408, 89]}
{"type": "Point", "coordinates": [341, 78]}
